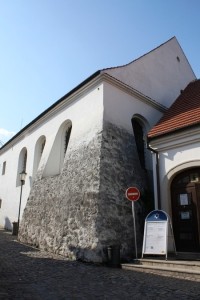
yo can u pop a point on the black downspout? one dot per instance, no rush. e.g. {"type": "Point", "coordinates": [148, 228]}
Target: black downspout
{"type": "Point", "coordinates": [157, 174]}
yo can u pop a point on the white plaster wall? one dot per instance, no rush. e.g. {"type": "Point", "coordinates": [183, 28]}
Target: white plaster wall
{"type": "Point", "coordinates": [171, 158]}
{"type": "Point", "coordinates": [158, 74]}
{"type": "Point", "coordinates": [173, 161]}
{"type": "Point", "coordinates": [86, 115]}
{"type": "Point", "coordinates": [120, 107]}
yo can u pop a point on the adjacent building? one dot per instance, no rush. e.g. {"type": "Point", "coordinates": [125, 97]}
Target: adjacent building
{"type": "Point", "coordinates": [175, 140]}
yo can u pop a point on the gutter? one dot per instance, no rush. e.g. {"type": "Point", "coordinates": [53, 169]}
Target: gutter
{"type": "Point", "coordinates": [156, 177]}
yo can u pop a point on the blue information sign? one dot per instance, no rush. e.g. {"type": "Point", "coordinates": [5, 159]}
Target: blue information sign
{"type": "Point", "coordinates": [155, 233]}
{"type": "Point", "coordinates": [157, 215]}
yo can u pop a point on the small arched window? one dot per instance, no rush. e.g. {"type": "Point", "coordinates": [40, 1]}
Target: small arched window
{"type": "Point", "coordinates": [66, 137]}
{"type": "Point", "coordinates": [138, 131]}
{"type": "Point", "coordinates": [58, 151]}
{"type": "Point", "coordinates": [39, 148]}
{"type": "Point", "coordinates": [22, 164]}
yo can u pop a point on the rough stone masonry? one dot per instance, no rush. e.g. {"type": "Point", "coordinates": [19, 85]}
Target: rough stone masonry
{"type": "Point", "coordinates": [83, 210]}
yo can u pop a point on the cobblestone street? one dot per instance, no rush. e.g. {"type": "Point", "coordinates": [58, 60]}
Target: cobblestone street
{"type": "Point", "coordinates": [26, 273]}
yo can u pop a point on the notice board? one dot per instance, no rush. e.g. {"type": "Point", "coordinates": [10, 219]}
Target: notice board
{"type": "Point", "coordinates": [155, 233]}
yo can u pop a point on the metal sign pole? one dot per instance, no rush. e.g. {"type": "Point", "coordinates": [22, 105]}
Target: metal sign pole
{"type": "Point", "coordinates": [133, 194]}
{"type": "Point", "coordinates": [135, 238]}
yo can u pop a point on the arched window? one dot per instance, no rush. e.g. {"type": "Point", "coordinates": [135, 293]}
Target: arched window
{"type": "Point", "coordinates": [4, 168]}
{"type": "Point", "coordinates": [39, 148]}
{"type": "Point", "coordinates": [67, 136]}
{"type": "Point", "coordinates": [22, 163]}
{"type": "Point", "coordinates": [65, 140]}
{"type": "Point", "coordinates": [139, 134]}
{"type": "Point", "coordinates": [58, 151]}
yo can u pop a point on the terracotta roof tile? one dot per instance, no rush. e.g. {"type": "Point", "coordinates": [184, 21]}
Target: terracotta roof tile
{"type": "Point", "coordinates": [184, 112]}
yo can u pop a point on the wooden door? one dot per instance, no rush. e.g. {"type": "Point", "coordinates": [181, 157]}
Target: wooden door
{"type": "Point", "coordinates": [185, 213]}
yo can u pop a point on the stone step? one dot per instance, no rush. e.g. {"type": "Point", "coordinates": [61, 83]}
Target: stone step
{"type": "Point", "coordinates": [173, 268]}
{"type": "Point", "coordinates": [178, 264]}
{"type": "Point", "coordinates": [188, 256]}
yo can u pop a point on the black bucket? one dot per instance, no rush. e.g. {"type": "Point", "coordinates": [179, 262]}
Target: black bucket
{"type": "Point", "coordinates": [15, 228]}
{"type": "Point", "coordinates": [114, 256]}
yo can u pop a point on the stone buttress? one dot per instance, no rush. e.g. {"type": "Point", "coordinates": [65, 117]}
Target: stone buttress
{"type": "Point", "coordinates": [83, 210]}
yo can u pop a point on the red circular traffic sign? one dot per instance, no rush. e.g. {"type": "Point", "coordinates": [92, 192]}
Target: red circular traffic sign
{"type": "Point", "coordinates": [132, 194]}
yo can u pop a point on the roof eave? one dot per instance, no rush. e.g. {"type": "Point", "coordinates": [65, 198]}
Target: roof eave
{"type": "Point", "coordinates": [74, 90]}
{"type": "Point", "coordinates": [178, 130]}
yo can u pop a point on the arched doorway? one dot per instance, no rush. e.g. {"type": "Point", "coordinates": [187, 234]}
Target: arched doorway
{"type": "Point", "coordinates": [185, 198]}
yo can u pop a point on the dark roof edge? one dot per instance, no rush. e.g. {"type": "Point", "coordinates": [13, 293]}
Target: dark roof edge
{"type": "Point", "coordinates": [54, 105]}
{"type": "Point", "coordinates": [172, 132]}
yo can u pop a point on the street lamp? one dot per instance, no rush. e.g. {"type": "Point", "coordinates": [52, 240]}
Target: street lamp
{"type": "Point", "coordinates": [22, 177]}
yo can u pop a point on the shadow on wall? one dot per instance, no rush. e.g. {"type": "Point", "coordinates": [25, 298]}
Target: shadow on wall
{"type": "Point", "coordinates": [8, 224]}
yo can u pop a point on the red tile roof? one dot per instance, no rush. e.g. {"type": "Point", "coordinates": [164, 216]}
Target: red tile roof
{"type": "Point", "coordinates": [184, 112]}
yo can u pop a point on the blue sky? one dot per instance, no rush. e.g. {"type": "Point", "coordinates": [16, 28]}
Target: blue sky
{"type": "Point", "coordinates": [50, 46]}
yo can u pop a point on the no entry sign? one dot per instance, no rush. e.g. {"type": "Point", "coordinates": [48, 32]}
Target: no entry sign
{"type": "Point", "coordinates": [132, 194]}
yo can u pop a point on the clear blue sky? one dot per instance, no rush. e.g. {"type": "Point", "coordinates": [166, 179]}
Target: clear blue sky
{"type": "Point", "coordinates": [47, 47]}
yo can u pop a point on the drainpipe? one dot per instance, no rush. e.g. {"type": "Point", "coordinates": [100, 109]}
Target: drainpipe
{"type": "Point", "coordinates": [156, 177]}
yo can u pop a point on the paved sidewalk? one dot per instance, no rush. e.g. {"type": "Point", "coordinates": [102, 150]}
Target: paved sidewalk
{"type": "Point", "coordinates": [26, 273]}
